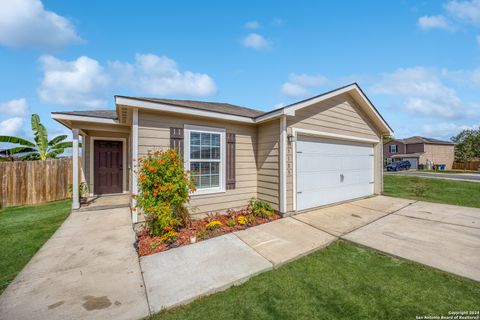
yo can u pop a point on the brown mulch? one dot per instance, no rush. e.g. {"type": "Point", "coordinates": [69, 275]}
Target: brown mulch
{"type": "Point", "coordinates": [148, 244]}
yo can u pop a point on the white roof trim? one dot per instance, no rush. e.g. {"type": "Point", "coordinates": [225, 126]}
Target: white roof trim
{"type": "Point", "coordinates": [288, 111]}
{"type": "Point", "coordinates": [70, 117]}
{"type": "Point", "coordinates": [182, 110]}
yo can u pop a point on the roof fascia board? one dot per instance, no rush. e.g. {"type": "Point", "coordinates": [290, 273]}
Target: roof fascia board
{"type": "Point", "coordinates": [182, 110]}
{"type": "Point", "coordinates": [69, 117]}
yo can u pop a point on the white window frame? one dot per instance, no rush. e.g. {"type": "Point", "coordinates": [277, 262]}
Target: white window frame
{"type": "Point", "coordinates": [186, 154]}
{"type": "Point", "coordinates": [396, 148]}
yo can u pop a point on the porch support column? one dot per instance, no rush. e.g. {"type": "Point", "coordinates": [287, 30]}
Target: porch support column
{"type": "Point", "coordinates": [283, 164]}
{"type": "Point", "coordinates": [134, 163]}
{"type": "Point", "coordinates": [75, 195]}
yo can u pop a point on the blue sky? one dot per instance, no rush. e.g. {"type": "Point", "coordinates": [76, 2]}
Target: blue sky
{"type": "Point", "coordinates": [419, 62]}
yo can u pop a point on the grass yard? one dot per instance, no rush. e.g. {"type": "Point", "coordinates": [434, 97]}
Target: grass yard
{"type": "Point", "coordinates": [460, 193]}
{"type": "Point", "coordinates": [23, 230]}
{"type": "Point", "coordinates": [342, 281]}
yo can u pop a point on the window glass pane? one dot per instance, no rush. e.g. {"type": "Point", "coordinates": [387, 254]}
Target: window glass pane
{"type": "Point", "coordinates": [215, 167]}
{"type": "Point", "coordinates": [215, 153]}
{"type": "Point", "coordinates": [214, 180]}
{"type": "Point", "coordinates": [215, 139]}
{"type": "Point", "coordinates": [195, 138]}
{"type": "Point", "coordinates": [205, 168]}
{"type": "Point", "coordinates": [206, 153]}
{"type": "Point", "coordinates": [206, 139]}
{"type": "Point", "coordinates": [195, 168]}
{"type": "Point", "coordinates": [195, 152]}
{"type": "Point", "coordinates": [204, 181]}
{"type": "Point", "coordinates": [196, 180]}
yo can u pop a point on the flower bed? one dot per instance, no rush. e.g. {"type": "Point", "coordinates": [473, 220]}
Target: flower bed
{"type": "Point", "coordinates": [209, 227]}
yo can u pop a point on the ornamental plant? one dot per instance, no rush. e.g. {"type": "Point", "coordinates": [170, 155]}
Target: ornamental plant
{"type": "Point", "coordinates": [212, 225]}
{"type": "Point", "coordinates": [164, 191]}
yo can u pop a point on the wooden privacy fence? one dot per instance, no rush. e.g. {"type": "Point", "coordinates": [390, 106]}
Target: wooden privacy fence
{"type": "Point", "coordinates": [32, 182]}
{"type": "Point", "coordinates": [472, 165]}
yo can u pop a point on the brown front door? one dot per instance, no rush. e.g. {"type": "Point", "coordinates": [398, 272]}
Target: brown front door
{"type": "Point", "coordinates": [108, 167]}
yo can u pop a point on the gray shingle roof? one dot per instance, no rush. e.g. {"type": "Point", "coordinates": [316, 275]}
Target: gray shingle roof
{"type": "Point", "coordinates": [221, 107]}
{"type": "Point", "coordinates": [418, 139]}
{"type": "Point", "coordinates": [107, 114]}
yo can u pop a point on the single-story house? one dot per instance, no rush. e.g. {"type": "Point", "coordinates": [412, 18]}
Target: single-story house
{"type": "Point", "coordinates": [314, 152]}
{"type": "Point", "coordinates": [420, 150]}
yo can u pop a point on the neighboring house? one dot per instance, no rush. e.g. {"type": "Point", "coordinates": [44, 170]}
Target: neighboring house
{"type": "Point", "coordinates": [318, 151]}
{"type": "Point", "coordinates": [420, 150]}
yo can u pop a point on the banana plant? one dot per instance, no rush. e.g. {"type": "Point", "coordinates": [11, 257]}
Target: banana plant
{"type": "Point", "coordinates": [38, 149]}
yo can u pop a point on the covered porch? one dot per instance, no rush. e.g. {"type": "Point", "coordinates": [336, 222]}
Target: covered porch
{"type": "Point", "coordinates": [102, 157]}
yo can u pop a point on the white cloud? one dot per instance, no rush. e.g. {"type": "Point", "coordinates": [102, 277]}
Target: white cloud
{"type": "Point", "coordinates": [423, 92]}
{"type": "Point", "coordinates": [433, 22]}
{"type": "Point", "coordinates": [85, 82]}
{"type": "Point", "coordinates": [81, 82]}
{"type": "Point", "coordinates": [298, 84]}
{"type": "Point", "coordinates": [11, 127]}
{"type": "Point", "coordinates": [465, 11]}
{"type": "Point", "coordinates": [159, 75]}
{"type": "Point", "coordinates": [26, 24]}
{"type": "Point", "coordinates": [16, 108]}
{"type": "Point", "coordinates": [256, 41]}
{"type": "Point", "coordinates": [252, 25]}
{"type": "Point", "coordinates": [445, 130]}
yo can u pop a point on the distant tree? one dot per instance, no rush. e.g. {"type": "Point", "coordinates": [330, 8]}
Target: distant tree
{"type": "Point", "coordinates": [40, 148]}
{"type": "Point", "coordinates": [387, 139]}
{"type": "Point", "coordinates": [467, 145]}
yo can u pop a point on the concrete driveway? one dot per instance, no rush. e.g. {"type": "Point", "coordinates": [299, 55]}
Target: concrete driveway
{"type": "Point", "coordinates": [88, 270]}
{"type": "Point", "coordinates": [442, 236]}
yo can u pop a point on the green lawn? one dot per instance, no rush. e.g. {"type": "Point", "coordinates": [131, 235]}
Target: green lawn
{"type": "Point", "coordinates": [23, 230]}
{"type": "Point", "coordinates": [460, 193]}
{"type": "Point", "coordinates": [342, 281]}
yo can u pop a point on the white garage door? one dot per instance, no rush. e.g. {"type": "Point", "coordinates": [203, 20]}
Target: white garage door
{"type": "Point", "coordinates": [413, 162]}
{"type": "Point", "coordinates": [330, 171]}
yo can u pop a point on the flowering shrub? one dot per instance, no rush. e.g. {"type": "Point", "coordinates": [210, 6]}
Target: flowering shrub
{"type": "Point", "coordinates": [169, 237]}
{"type": "Point", "coordinates": [260, 208]}
{"type": "Point", "coordinates": [242, 220]}
{"type": "Point", "coordinates": [212, 225]}
{"type": "Point", "coordinates": [164, 191]}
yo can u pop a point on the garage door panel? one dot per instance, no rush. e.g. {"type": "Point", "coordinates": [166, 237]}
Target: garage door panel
{"type": "Point", "coordinates": [330, 171]}
{"type": "Point", "coordinates": [307, 163]}
{"type": "Point", "coordinates": [316, 180]}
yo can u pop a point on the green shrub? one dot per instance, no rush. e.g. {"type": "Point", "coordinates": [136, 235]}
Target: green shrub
{"type": "Point", "coordinates": [260, 208]}
{"type": "Point", "coordinates": [231, 223]}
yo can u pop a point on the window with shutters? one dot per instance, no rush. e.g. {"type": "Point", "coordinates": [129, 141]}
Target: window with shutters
{"type": "Point", "coordinates": [204, 155]}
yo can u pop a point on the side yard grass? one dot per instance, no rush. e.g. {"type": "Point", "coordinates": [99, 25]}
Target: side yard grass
{"type": "Point", "coordinates": [23, 231]}
{"type": "Point", "coordinates": [460, 193]}
{"type": "Point", "coordinates": [342, 281]}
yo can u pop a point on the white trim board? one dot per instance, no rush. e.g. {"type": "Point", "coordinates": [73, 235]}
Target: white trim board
{"type": "Point", "coordinates": [124, 161]}
{"type": "Point", "coordinates": [61, 116]}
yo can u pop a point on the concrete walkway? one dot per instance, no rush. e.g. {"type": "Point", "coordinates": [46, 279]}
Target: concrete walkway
{"type": "Point", "coordinates": [87, 270]}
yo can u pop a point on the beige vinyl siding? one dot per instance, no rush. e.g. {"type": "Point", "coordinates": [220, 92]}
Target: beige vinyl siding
{"type": "Point", "coordinates": [154, 133]}
{"type": "Point", "coordinates": [338, 115]}
{"type": "Point", "coordinates": [268, 162]}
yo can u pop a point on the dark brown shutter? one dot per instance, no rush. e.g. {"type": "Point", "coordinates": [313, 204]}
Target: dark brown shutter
{"type": "Point", "coordinates": [176, 140]}
{"type": "Point", "coordinates": [230, 161]}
